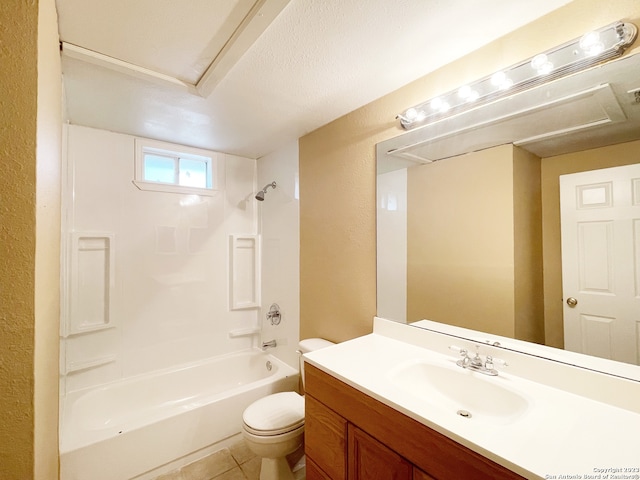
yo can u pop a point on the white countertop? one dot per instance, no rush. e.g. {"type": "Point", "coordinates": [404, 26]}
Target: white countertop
{"type": "Point", "coordinates": [560, 435]}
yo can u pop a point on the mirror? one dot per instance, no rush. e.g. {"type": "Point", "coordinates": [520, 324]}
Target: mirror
{"type": "Point", "coordinates": [468, 207]}
{"type": "Point", "coordinates": [618, 369]}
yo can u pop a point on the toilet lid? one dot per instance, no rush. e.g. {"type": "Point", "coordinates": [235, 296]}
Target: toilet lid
{"type": "Point", "coordinates": [277, 412]}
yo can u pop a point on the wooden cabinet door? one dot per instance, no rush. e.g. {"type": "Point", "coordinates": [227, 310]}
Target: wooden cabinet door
{"type": "Point", "coordinates": [314, 472]}
{"type": "Point", "coordinates": [420, 475]}
{"type": "Point", "coordinates": [325, 439]}
{"type": "Point", "coordinates": [371, 460]}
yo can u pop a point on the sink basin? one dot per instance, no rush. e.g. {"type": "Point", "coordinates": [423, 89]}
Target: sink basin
{"type": "Point", "coordinates": [453, 388]}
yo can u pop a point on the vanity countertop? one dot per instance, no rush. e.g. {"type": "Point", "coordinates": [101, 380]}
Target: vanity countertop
{"type": "Point", "coordinates": [560, 434]}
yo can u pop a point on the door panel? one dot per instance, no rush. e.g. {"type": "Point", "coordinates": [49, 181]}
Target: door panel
{"type": "Point", "coordinates": [595, 245]}
{"type": "Point", "coordinates": [371, 460]}
{"type": "Point", "coordinates": [600, 213]}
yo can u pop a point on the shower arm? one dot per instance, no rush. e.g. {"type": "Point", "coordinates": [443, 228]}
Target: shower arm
{"type": "Point", "coordinates": [272, 185]}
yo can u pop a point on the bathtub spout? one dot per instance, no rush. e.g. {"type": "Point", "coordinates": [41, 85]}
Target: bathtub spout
{"type": "Point", "coordinates": [271, 344]}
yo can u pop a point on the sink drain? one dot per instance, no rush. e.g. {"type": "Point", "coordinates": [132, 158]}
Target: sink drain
{"type": "Point", "coordinates": [464, 413]}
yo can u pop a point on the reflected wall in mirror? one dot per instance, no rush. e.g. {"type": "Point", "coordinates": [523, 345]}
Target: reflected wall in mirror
{"type": "Point", "coordinates": [468, 209]}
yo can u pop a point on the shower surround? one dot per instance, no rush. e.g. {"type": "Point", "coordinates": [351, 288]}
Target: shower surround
{"type": "Point", "coordinates": [153, 281]}
{"type": "Point", "coordinates": [146, 273]}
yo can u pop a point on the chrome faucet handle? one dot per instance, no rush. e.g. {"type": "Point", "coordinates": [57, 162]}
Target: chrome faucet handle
{"type": "Point", "coordinates": [462, 351]}
{"type": "Point", "coordinates": [499, 361]}
{"type": "Point", "coordinates": [465, 360]}
{"type": "Point", "coordinates": [489, 363]}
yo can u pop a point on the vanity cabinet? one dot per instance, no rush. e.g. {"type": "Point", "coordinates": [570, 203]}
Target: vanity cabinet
{"type": "Point", "coordinates": [325, 440]}
{"type": "Point", "coordinates": [352, 436]}
{"type": "Point", "coordinates": [371, 459]}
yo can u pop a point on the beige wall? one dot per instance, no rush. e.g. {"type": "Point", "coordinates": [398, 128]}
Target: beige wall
{"type": "Point", "coordinates": [337, 171]}
{"type": "Point", "coordinates": [527, 239]}
{"type": "Point", "coordinates": [474, 250]}
{"type": "Point", "coordinates": [17, 231]}
{"type": "Point", "coordinates": [28, 317]}
{"type": "Point", "coordinates": [337, 236]}
{"type": "Point", "coordinates": [552, 168]}
{"type": "Point", "coordinates": [460, 249]}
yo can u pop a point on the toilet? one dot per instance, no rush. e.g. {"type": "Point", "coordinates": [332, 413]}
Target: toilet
{"type": "Point", "coordinates": [273, 426]}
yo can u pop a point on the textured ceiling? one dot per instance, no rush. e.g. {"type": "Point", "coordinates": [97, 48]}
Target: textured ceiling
{"type": "Point", "coordinates": [318, 60]}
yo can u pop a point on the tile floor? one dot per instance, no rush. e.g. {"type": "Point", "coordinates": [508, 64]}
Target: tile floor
{"type": "Point", "coordinates": [234, 463]}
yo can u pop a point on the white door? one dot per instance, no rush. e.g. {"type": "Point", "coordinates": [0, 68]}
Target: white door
{"type": "Point", "coordinates": [600, 212]}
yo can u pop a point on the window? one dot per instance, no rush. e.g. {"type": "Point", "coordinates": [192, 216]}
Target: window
{"type": "Point", "coordinates": [172, 168]}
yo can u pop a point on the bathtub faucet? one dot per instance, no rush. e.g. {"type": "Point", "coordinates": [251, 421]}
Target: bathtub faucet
{"type": "Point", "coordinates": [271, 344]}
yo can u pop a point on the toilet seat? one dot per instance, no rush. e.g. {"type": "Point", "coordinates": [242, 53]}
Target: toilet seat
{"type": "Point", "coordinates": [274, 414]}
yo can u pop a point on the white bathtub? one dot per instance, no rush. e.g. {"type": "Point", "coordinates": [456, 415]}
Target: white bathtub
{"type": "Point", "coordinates": [124, 429]}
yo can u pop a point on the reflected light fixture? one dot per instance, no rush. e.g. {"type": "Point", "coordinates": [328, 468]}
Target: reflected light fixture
{"type": "Point", "coordinates": [591, 49]}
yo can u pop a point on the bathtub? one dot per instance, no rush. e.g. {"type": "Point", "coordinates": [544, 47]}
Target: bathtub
{"type": "Point", "coordinates": [128, 428]}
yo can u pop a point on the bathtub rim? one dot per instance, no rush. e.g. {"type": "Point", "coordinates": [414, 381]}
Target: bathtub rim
{"type": "Point", "coordinates": [174, 368]}
{"type": "Point", "coordinates": [66, 424]}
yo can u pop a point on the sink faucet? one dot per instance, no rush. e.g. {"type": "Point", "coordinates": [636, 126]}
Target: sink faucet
{"type": "Point", "coordinates": [476, 363]}
{"type": "Point", "coordinates": [271, 344]}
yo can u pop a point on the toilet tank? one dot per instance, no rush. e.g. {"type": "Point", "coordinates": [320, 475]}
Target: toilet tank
{"type": "Point", "coordinates": [309, 345]}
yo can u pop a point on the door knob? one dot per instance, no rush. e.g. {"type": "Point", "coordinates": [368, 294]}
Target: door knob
{"type": "Point", "coordinates": [572, 302]}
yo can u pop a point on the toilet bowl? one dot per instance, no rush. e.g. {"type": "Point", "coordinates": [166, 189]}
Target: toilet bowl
{"type": "Point", "coordinates": [273, 426]}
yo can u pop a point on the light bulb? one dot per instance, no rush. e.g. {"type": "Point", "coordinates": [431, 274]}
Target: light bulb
{"type": "Point", "coordinates": [589, 39]}
{"type": "Point", "coordinates": [541, 64]}
{"type": "Point", "coordinates": [411, 114]}
{"type": "Point", "coordinates": [539, 61]}
{"type": "Point", "coordinates": [590, 43]}
{"type": "Point", "coordinates": [436, 103]}
{"type": "Point", "coordinates": [464, 92]}
{"type": "Point", "coordinates": [595, 49]}
{"type": "Point", "coordinates": [507, 84]}
{"type": "Point", "coordinates": [500, 80]}
{"type": "Point", "coordinates": [497, 78]}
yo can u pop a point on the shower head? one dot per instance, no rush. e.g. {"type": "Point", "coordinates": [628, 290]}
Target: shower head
{"type": "Point", "coordinates": [260, 194]}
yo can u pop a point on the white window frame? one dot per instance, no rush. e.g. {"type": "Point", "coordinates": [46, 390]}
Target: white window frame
{"type": "Point", "coordinates": [212, 159]}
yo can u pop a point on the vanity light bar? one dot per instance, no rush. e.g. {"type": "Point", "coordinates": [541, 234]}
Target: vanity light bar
{"type": "Point", "coordinates": [592, 48]}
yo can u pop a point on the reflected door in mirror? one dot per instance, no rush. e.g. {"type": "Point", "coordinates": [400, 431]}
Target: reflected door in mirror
{"type": "Point", "coordinates": [600, 213]}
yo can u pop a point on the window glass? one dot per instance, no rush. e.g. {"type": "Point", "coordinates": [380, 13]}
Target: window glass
{"type": "Point", "coordinates": [193, 173]}
{"type": "Point", "coordinates": [158, 168]}
{"type": "Point", "coordinates": [165, 167]}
